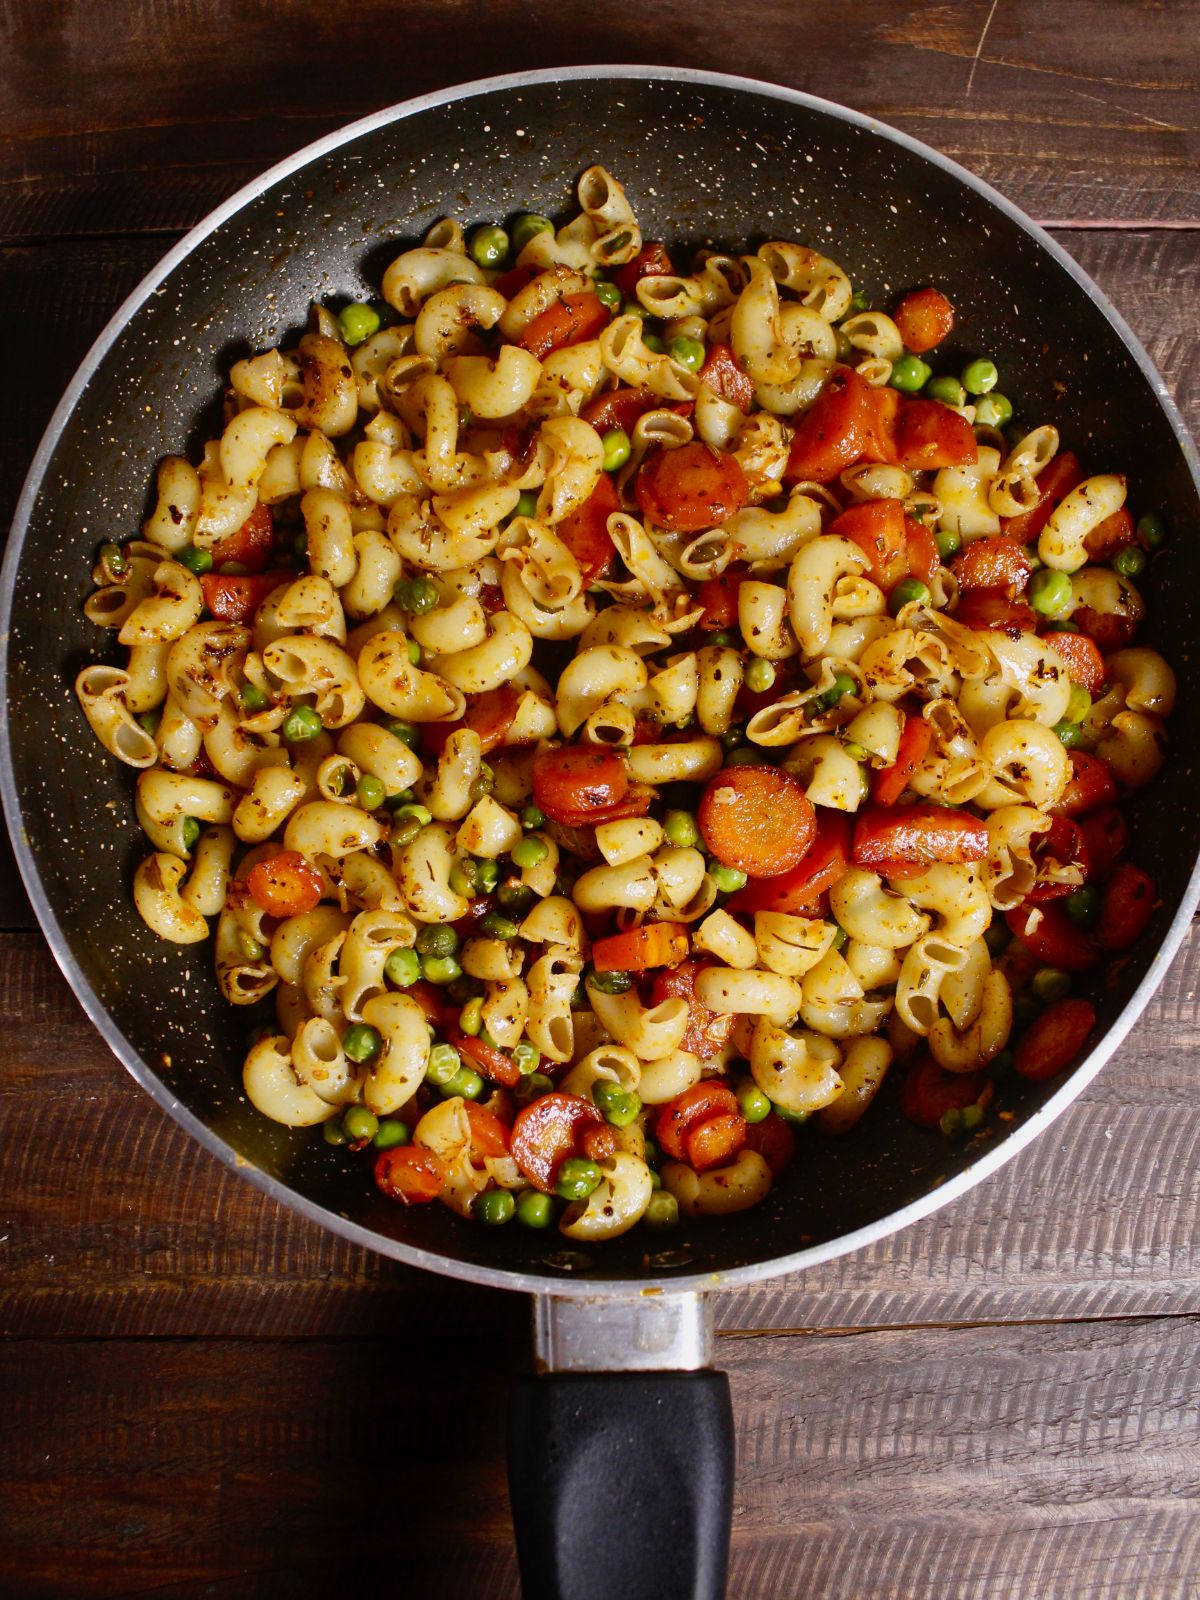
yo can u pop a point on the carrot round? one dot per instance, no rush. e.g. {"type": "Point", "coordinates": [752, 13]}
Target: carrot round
{"type": "Point", "coordinates": [995, 608]}
{"type": "Point", "coordinates": [489, 714]}
{"type": "Point", "coordinates": [716, 1141]}
{"type": "Point", "coordinates": [877, 528]}
{"type": "Point", "coordinates": [548, 1130]}
{"type": "Point", "coordinates": [891, 782]}
{"type": "Point", "coordinates": [1091, 784]}
{"type": "Point", "coordinates": [679, 1118]}
{"type": "Point", "coordinates": [920, 834]}
{"type": "Point", "coordinates": [1081, 657]}
{"type": "Point", "coordinates": [993, 563]}
{"type": "Point", "coordinates": [707, 1031]}
{"type": "Point", "coordinates": [799, 891]}
{"type": "Point", "coordinates": [925, 317]}
{"type": "Point", "coordinates": [929, 1092]}
{"type": "Point", "coordinates": [584, 531]}
{"type": "Point", "coordinates": [410, 1174]}
{"type": "Point", "coordinates": [929, 435]}
{"type": "Point", "coordinates": [726, 379]}
{"type": "Point", "coordinates": [1050, 934]}
{"type": "Point", "coordinates": [285, 886]}
{"type": "Point", "coordinates": [757, 819]}
{"type": "Point", "coordinates": [691, 488]}
{"type": "Point", "coordinates": [774, 1141]}
{"type": "Point", "coordinates": [1054, 1039]}
{"type": "Point", "coordinates": [1127, 906]}
{"type": "Point", "coordinates": [578, 780]}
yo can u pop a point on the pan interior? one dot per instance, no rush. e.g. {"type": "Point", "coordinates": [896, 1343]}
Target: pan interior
{"type": "Point", "coordinates": [705, 164]}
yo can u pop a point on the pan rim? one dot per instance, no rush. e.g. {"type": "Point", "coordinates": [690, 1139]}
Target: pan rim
{"type": "Point", "coordinates": [549, 1283]}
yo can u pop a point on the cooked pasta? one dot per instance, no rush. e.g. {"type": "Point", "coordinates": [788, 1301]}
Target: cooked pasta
{"type": "Point", "coordinates": [602, 717]}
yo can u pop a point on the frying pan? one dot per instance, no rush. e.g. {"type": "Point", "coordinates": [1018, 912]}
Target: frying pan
{"type": "Point", "coordinates": [625, 1427]}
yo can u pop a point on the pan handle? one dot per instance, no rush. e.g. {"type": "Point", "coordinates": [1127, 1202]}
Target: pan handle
{"type": "Point", "coordinates": [620, 1453]}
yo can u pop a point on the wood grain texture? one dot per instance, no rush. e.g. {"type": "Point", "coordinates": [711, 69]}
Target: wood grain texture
{"type": "Point", "coordinates": [125, 1226]}
{"type": "Point", "coordinates": [118, 118]}
{"type": "Point", "coordinates": [983, 1462]}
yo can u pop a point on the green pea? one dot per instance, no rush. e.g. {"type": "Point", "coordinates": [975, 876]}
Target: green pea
{"type": "Point", "coordinates": [407, 732]}
{"type": "Point", "coordinates": [1152, 530]}
{"type": "Point", "coordinates": [437, 939]}
{"type": "Point", "coordinates": [689, 353]}
{"type": "Point", "coordinates": [466, 1083]}
{"type": "Point", "coordinates": [251, 949]}
{"type": "Point", "coordinates": [391, 1132]}
{"type": "Point", "coordinates": [532, 817]}
{"type": "Point", "coordinates": [910, 374]}
{"type": "Point", "coordinates": [616, 448]}
{"type": "Point", "coordinates": [498, 927]}
{"type": "Point", "coordinates": [756, 1107]}
{"type": "Point", "coordinates": [681, 830]}
{"type": "Point", "coordinates": [443, 1064]}
{"type": "Point", "coordinates": [1082, 905]}
{"type": "Point", "coordinates": [840, 937]}
{"type": "Point", "coordinates": [745, 756]}
{"type": "Point", "coordinates": [653, 343]}
{"type": "Point", "coordinates": [526, 1057]}
{"type": "Point", "coordinates": [534, 1210]}
{"type": "Point", "coordinates": [611, 982]}
{"type": "Point", "coordinates": [860, 301]}
{"type": "Point", "coordinates": [362, 1043]}
{"type": "Point", "coordinates": [577, 1178]}
{"type": "Point", "coordinates": [360, 1124]}
{"type": "Point", "coordinates": [197, 561]}
{"type": "Point", "coordinates": [403, 968]}
{"type": "Point", "coordinates": [462, 878]}
{"type": "Point", "coordinates": [488, 246]}
{"type": "Point", "coordinates": [529, 852]}
{"type": "Point", "coordinates": [301, 724]}
{"type": "Point", "coordinates": [948, 390]}
{"type": "Point", "coordinates": [515, 896]}
{"type": "Point", "coordinates": [192, 829]}
{"type": "Point", "coordinates": [253, 698]}
{"type": "Point", "coordinates": [634, 308]}
{"type": "Point", "coordinates": [993, 411]}
{"type": "Point", "coordinates": [416, 595]}
{"type": "Point", "coordinates": [1078, 705]}
{"type": "Point", "coordinates": [909, 591]}
{"type": "Point", "coordinates": [527, 503]}
{"type": "Point", "coordinates": [525, 226]}
{"type": "Point", "coordinates": [951, 1122]}
{"type": "Point", "coordinates": [1051, 593]}
{"type": "Point", "coordinates": [727, 879]}
{"type": "Point", "coordinates": [470, 1018]}
{"type": "Point", "coordinates": [980, 377]}
{"type": "Point", "coordinates": [358, 322]}
{"type": "Point", "coordinates": [608, 294]}
{"type": "Point", "coordinates": [487, 875]}
{"type": "Point", "coordinates": [532, 1087]}
{"type": "Point", "coordinates": [842, 685]}
{"type": "Point", "coordinates": [997, 936]}
{"type": "Point", "coordinates": [619, 1107]}
{"type": "Point", "coordinates": [112, 559]}
{"type": "Point", "coordinates": [727, 639]}
{"type": "Point", "coordinates": [300, 546]}
{"type": "Point", "coordinates": [949, 543]}
{"type": "Point", "coordinates": [334, 1133]}
{"type": "Point", "coordinates": [494, 1208]}
{"type": "Point", "coordinates": [234, 569]}
{"type": "Point", "coordinates": [972, 1118]}
{"type": "Point", "coordinates": [760, 675]}
{"type": "Point", "coordinates": [663, 1211]}
{"type": "Point", "coordinates": [857, 752]}
{"type": "Point", "coordinates": [150, 721]}
{"type": "Point", "coordinates": [370, 793]}
{"type": "Point", "coordinates": [421, 815]}
{"type": "Point", "coordinates": [1070, 733]}
{"type": "Point", "coordinates": [1061, 625]}
{"type": "Point", "coordinates": [440, 969]}
{"type": "Point", "coordinates": [465, 418]}
{"type": "Point", "coordinates": [1050, 984]}
{"type": "Point", "coordinates": [1130, 562]}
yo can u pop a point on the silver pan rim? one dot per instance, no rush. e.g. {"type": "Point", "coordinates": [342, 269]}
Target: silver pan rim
{"type": "Point", "coordinates": [551, 1282]}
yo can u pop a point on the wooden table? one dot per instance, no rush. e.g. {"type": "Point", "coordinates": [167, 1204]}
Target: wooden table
{"type": "Point", "coordinates": [204, 1395]}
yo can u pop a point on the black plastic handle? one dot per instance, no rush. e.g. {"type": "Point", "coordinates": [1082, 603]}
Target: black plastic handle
{"type": "Point", "coordinates": [622, 1485]}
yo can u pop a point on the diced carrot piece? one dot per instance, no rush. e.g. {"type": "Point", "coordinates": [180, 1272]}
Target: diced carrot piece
{"type": "Point", "coordinates": [1111, 535]}
{"type": "Point", "coordinates": [1091, 784]}
{"type": "Point", "coordinates": [1107, 835]}
{"type": "Point", "coordinates": [489, 1135]}
{"type": "Point", "coordinates": [1054, 482]}
{"type": "Point", "coordinates": [876, 527]}
{"type": "Point", "coordinates": [993, 563]}
{"type": "Point", "coordinates": [1053, 1040]}
{"type": "Point", "coordinates": [1081, 657]}
{"type": "Point", "coordinates": [831, 434]}
{"type": "Point", "coordinates": [651, 261]}
{"type": "Point", "coordinates": [490, 1060]}
{"type": "Point", "coordinates": [654, 944]}
{"type": "Point", "coordinates": [564, 322]}
{"type": "Point", "coordinates": [891, 782]}
{"type": "Point", "coordinates": [619, 408]}
{"type": "Point", "coordinates": [716, 1141]}
{"type": "Point", "coordinates": [1127, 906]}
{"type": "Point", "coordinates": [584, 531]}
{"type": "Point", "coordinates": [929, 435]}
{"type": "Point", "coordinates": [925, 317]}
{"type": "Point", "coordinates": [690, 488]}
{"type": "Point", "coordinates": [688, 1111]}
{"type": "Point", "coordinates": [1053, 937]}
{"type": "Point", "coordinates": [251, 545]}
{"type": "Point", "coordinates": [920, 551]}
{"type": "Point", "coordinates": [410, 1173]}
{"type": "Point", "coordinates": [758, 819]}
{"type": "Point", "coordinates": [929, 1092]}
{"type": "Point", "coordinates": [921, 834]}
{"type": "Point", "coordinates": [1112, 630]}
{"type": "Point", "coordinates": [726, 378]}
{"type": "Point", "coordinates": [719, 598]}
{"type": "Point", "coordinates": [774, 1141]}
{"type": "Point", "coordinates": [995, 608]}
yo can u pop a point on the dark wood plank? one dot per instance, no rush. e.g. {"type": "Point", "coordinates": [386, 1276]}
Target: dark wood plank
{"type": "Point", "coordinates": [116, 1223]}
{"type": "Point", "coordinates": [116, 117]}
{"type": "Point", "coordinates": [986, 1462]}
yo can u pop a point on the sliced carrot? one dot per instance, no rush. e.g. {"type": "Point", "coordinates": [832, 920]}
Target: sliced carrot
{"type": "Point", "coordinates": [891, 782]}
{"type": "Point", "coordinates": [920, 834]}
{"type": "Point", "coordinates": [1112, 630]}
{"type": "Point", "coordinates": [1053, 1040]}
{"type": "Point", "coordinates": [1107, 835]}
{"type": "Point", "coordinates": [1111, 535]}
{"type": "Point", "coordinates": [619, 408]}
{"type": "Point", "coordinates": [654, 944]}
{"type": "Point", "coordinates": [993, 563]}
{"type": "Point", "coordinates": [251, 545]}
{"type": "Point", "coordinates": [757, 819]}
{"type": "Point", "coordinates": [491, 1061]}
{"type": "Point", "coordinates": [929, 1092]}
{"type": "Point", "coordinates": [726, 378]}
{"type": "Point", "coordinates": [651, 261]}
{"type": "Point", "coordinates": [410, 1174]}
{"type": "Point", "coordinates": [1091, 784]}
{"type": "Point", "coordinates": [925, 317]}
{"type": "Point", "coordinates": [489, 714]}
{"type": "Point", "coordinates": [920, 551]}
{"type": "Point", "coordinates": [1063, 844]}
{"type": "Point", "coordinates": [707, 1031]}
{"type": "Point", "coordinates": [1053, 937]}
{"type": "Point", "coordinates": [690, 488]}
{"type": "Point", "coordinates": [548, 1130]}
{"type": "Point", "coordinates": [716, 1141]}
{"type": "Point", "coordinates": [584, 531]}
{"type": "Point", "coordinates": [638, 800]}
{"type": "Point", "coordinates": [1127, 906]}
{"type": "Point", "coordinates": [876, 527]}
{"type": "Point", "coordinates": [799, 891]}
{"type": "Point", "coordinates": [995, 608]}
{"type": "Point", "coordinates": [719, 598]}
{"type": "Point", "coordinates": [688, 1111]}
{"type": "Point", "coordinates": [564, 322]}
{"type": "Point", "coordinates": [1081, 657]}
{"type": "Point", "coordinates": [489, 1135]}
{"type": "Point", "coordinates": [578, 780]}
{"type": "Point", "coordinates": [882, 407]}
{"type": "Point", "coordinates": [233, 599]}
{"type": "Point", "coordinates": [831, 434]}
{"type": "Point", "coordinates": [929, 435]}
{"type": "Point", "coordinates": [774, 1141]}
{"type": "Point", "coordinates": [285, 886]}
{"type": "Point", "coordinates": [1056, 480]}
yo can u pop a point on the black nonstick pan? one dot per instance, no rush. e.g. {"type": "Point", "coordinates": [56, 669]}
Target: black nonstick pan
{"type": "Point", "coordinates": [625, 1428]}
